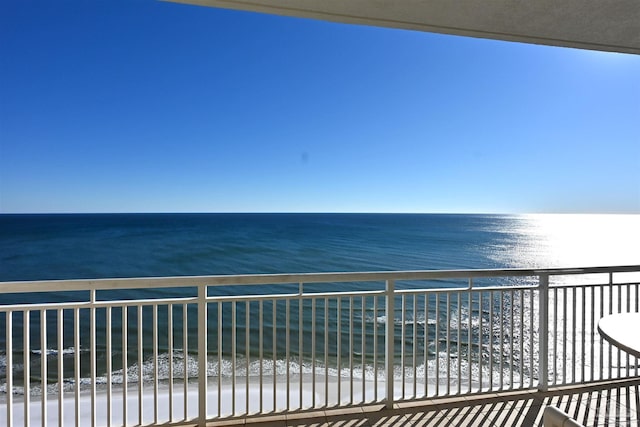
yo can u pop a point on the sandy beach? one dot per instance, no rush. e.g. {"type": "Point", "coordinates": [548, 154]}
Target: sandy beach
{"type": "Point", "coordinates": [220, 403]}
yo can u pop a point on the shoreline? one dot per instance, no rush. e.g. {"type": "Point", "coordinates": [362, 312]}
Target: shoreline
{"type": "Point", "coordinates": [297, 397]}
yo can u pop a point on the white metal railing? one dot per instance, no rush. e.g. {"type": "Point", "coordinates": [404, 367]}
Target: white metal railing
{"type": "Point", "coordinates": [189, 349]}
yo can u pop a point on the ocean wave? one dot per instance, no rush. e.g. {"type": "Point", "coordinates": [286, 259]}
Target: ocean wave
{"type": "Point", "coordinates": [18, 361]}
{"type": "Point", "coordinates": [419, 321]}
{"type": "Point", "coordinates": [226, 369]}
{"type": "Point", "coordinates": [55, 351]}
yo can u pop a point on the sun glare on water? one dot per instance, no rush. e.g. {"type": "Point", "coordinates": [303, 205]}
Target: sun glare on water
{"type": "Point", "coordinates": [566, 240]}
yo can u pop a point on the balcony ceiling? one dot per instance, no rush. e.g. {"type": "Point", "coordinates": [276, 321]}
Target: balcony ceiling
{"type": "Point", "coordinates": [606, 25]}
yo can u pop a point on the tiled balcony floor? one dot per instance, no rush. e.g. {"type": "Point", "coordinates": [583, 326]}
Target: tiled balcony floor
{"type": "Point", "coordinates": [603, 404]}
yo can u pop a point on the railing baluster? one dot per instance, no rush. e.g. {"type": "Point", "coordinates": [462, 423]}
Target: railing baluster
{"type": "Point", "coordinates": [261, 350]}
{"type": "Point", "coordinates": [92, 333]}
{"type": "Point", "coordinates": [501, 324]}
{"type": "Point", "coordinates": [637, 310]}
{"type": "Point", "coordinates": [448, 340]}
{"type": "Point", "coordinates": [403, 340]}
{"type": "Point", "coordinates": [469, 335]}
{"type": "Point", "coordinates": [556, 338]}
{"type": "Point", "coordinates": [140, 335]}
{"type": "Point", "coordinates": [338, 347]}
{"type": "Point", "coordinates": [234, 345]}
{"type": "Point", "coordinates": [583, 348]}
{"type": "Point", "coordinates": [125, 363]}
{"type": "Point", "coordinates": [601, 346]}
{"type": "Point", "coordinates": [619, 292]}
{"type": "Point", "coordinates": [459, 342]}
{"type": "Point", "coordinates": [351, 350]}
{"type": "Point", "coordinates": [43, 366]}
{"type": "Point", "coordinates": [275, 351]}
{"type": "Point", "coordinates": [437, 342]}
{"type": "Point", "coordinates": [288, 351]}
{"type": "Point", "coordinates": [60, 367]}
{"type": "Point", "coordinates": [531, 335]}
{"type": "Point", "coordinates": [414, 347]}
{"type": "Point", "coordinates": [27, 368]}
{"type": "Point", "coordinates": [363, 348]}
{"type": "Point", "coordinates": [593, 332]}
{"type": "Point", "coordinates": [9, 367]}
{"type": "Point", "coordinates": [313, 352]}
{"type": "Point", "coordinates": [426, 344]}
{"type": "Point", "coordinates": [326, 352]}
{"type": "Point", "coordinates": [76, 364]}
{"type": "Point", "coordinates": [300, 341]}
{"type": "Point", "coordinates": [170, 357]}
{"type": "Point", "coordinates": [543, 295]}
{"type": "Point", "coordinates": [247, 327]}
{"type": "Point", "coordinates": [490, 340]}
{"type": "Point", "coordinates": [108, 356]}
{"type": "Point", "coordinates": [185, 359]}
{"type": "Point", "coordinates": [610, 312]}
{"type": "Point", "coordinates": [154, 323]}
{"type": "Point", "coordinates": [480, 335]}
{"type": "Point", "coordinates": [511, 333]}
{"type": "Point", "coordinates": [565, 333]}
{"type": "Point", "coordinates": [375, 348]}
{"type": "Point", "coordinates": [220, 306]}
{"type": "Point", "coordinates": [521, 338]}
{"type": "Point", "coordinates": [573, 361]}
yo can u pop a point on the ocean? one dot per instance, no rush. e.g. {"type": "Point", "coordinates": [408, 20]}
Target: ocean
{"type": "Point", "coordinates": [35, 247]}
{"type": "Point", "coordinates": [85, 246]}
{"type": "Point", "coordinates": [80, 246]}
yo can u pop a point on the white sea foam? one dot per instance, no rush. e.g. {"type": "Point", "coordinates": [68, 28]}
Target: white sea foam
{"type": "Point", "coordinates": [55, 351]}
{"type": "Point", "coordinates": [226, 369]}
{"type": "Point", "coordinates": [418, 320]}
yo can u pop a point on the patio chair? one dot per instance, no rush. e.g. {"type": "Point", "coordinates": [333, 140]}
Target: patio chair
{"type": "Point", "coordinates": [554, 417]}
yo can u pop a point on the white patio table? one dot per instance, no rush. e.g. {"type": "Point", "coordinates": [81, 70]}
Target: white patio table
{"type": "Point", "coordinates": [623, 331]}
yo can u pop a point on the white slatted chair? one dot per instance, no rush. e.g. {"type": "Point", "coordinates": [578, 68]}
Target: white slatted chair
{"type": "Point", "coordinates": [554, 417]}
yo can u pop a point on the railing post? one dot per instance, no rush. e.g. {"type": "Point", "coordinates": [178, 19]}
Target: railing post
{"type": "Point", "coordinates": [389, 333]}
{"type": "Point", "coordinates": [543, 340]}
{"type": "Point", "coordinates": [202, 355]}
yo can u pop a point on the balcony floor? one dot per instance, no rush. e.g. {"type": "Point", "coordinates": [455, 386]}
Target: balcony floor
{"type": "Point", "coordinates": [615, 403]}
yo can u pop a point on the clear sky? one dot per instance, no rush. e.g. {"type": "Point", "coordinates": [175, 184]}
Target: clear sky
{"type": "Point", "coordinates": [147, 106]}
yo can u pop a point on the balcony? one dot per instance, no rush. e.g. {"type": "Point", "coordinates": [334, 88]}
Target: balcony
{"type": "Point", "coordinates": [418, 345]}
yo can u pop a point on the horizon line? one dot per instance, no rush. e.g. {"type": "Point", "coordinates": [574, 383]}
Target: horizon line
{"type": "Point", "coordinates": [313, 213]}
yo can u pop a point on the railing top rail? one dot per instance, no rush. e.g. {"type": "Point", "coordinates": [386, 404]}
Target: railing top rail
{"type": "Point", "coordinates": [260, 279]}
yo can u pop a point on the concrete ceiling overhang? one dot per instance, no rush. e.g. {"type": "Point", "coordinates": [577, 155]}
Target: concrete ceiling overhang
{"type": "Point", "coordinates": [605, 25]}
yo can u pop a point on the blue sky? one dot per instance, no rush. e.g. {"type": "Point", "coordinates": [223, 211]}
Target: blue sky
{"type": "Point", "coordinates": [146, 106]}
